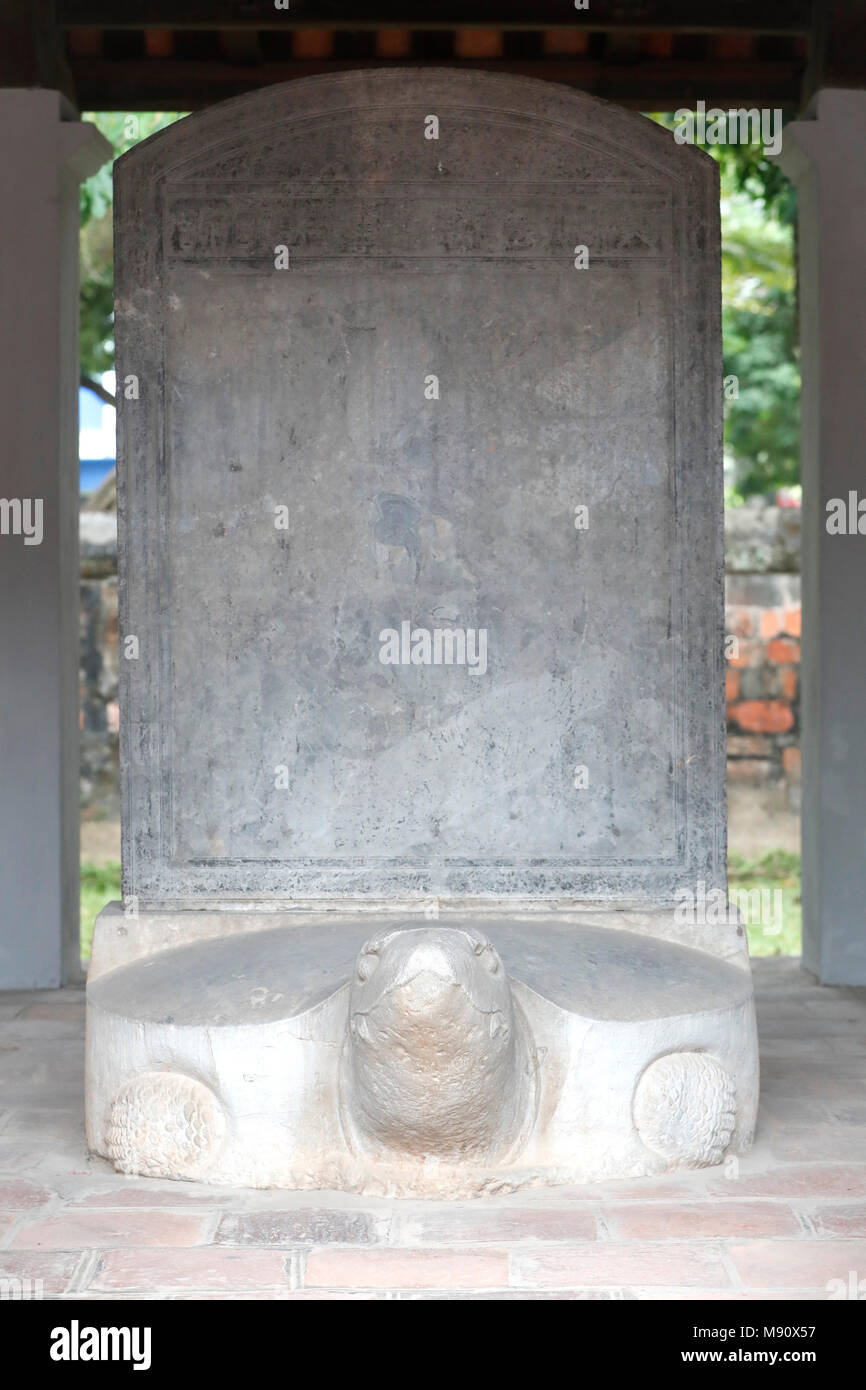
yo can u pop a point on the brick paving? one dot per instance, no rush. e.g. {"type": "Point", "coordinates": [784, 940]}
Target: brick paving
{"type": "Point", "coordinates": [784, 1222]}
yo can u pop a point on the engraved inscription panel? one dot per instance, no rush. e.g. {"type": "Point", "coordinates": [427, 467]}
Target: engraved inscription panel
{"type": "Point", "coordinates": [458, 513]}
{"type": "Point", "coordinates": [418, 517]}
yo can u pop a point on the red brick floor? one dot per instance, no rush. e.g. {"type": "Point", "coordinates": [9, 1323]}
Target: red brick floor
{"type": "Point", "coordinates": [787, 1221]}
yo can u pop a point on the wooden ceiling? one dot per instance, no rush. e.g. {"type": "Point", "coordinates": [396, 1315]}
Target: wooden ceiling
{"type": "Point", "coordinates": [646, 54]}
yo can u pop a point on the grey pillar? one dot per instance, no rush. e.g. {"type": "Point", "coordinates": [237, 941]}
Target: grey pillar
{"type": "Point", "coordinates": [44, 156]}
{"type": "Point", "coordinates": [825, 158]}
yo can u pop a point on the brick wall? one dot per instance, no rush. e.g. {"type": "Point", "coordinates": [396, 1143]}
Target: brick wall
{"type": "Point", "coordinates": [762, 603]}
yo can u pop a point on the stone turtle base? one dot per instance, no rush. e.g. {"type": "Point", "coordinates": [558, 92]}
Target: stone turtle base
{"type": "Point", "coordinates": [477, 1053]}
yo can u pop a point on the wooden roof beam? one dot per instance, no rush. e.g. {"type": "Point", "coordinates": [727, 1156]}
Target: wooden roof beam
{"type": "Point", "coordinates": [769, 17]}
{"type": "Point", "coordinates": [145, 85]}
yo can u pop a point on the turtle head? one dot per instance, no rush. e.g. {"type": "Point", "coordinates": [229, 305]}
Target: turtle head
{"type": "Point", "coordinates": [434, 1048]}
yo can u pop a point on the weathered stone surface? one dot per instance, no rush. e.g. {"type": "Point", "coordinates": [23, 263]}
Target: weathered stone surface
{"type": "Point", "coordinates": [685, 1108]}
{"type": "Point", "coordinates": [406, 1087]}
{"type": "Point", "coordinates": [304, 388]}
{"type": "Point", "coordinates": [415, 1065]}
{"type": "Point", "coordinates": [164, 1125]}
{"type": "Point", "coordinates": [420, 539]}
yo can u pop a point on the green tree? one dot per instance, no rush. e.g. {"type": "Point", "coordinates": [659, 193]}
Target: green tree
{"type": "Point", "coordinates": [759, 332]}
{"type": "Point", "coordinates": [123, 129]}
{"type": "Point", "coordinates": [759, 317]}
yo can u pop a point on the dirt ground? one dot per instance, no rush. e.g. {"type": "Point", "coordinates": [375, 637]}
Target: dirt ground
{"type": "Point", "coordinates": [758, 821]}
{"type": "Point", "coordinates": [100, 841]}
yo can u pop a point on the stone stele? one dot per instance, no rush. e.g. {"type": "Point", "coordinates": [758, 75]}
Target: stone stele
{"type": "Point", "coordinates": [420, 504]}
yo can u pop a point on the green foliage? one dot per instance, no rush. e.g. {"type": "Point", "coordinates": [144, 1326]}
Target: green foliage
{"type": "Point", "coordinates": [123, 129]}
{"type": "Point", "coordinates": [759, 319]}
{"type": "Point", "coordinates": [97, 297]}
{"type": "Point", "coordinates": [776, 869]}
{"type": "Point", "coordinates": [746, 169]}
{"type": "Point", "coordinates": [100, 884]}
{"type": "Point", "coordinates": [780, 864]}
{"type": "Point", "coordinates": [759, 329]}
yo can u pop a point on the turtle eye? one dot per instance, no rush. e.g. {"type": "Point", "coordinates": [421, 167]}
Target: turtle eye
{"type": "Point", "coordinates": [367, 964]}
{"type": "Point", "coordinates": [486, 954]}
{"type": "Point", "coordinates": [376, 944]}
